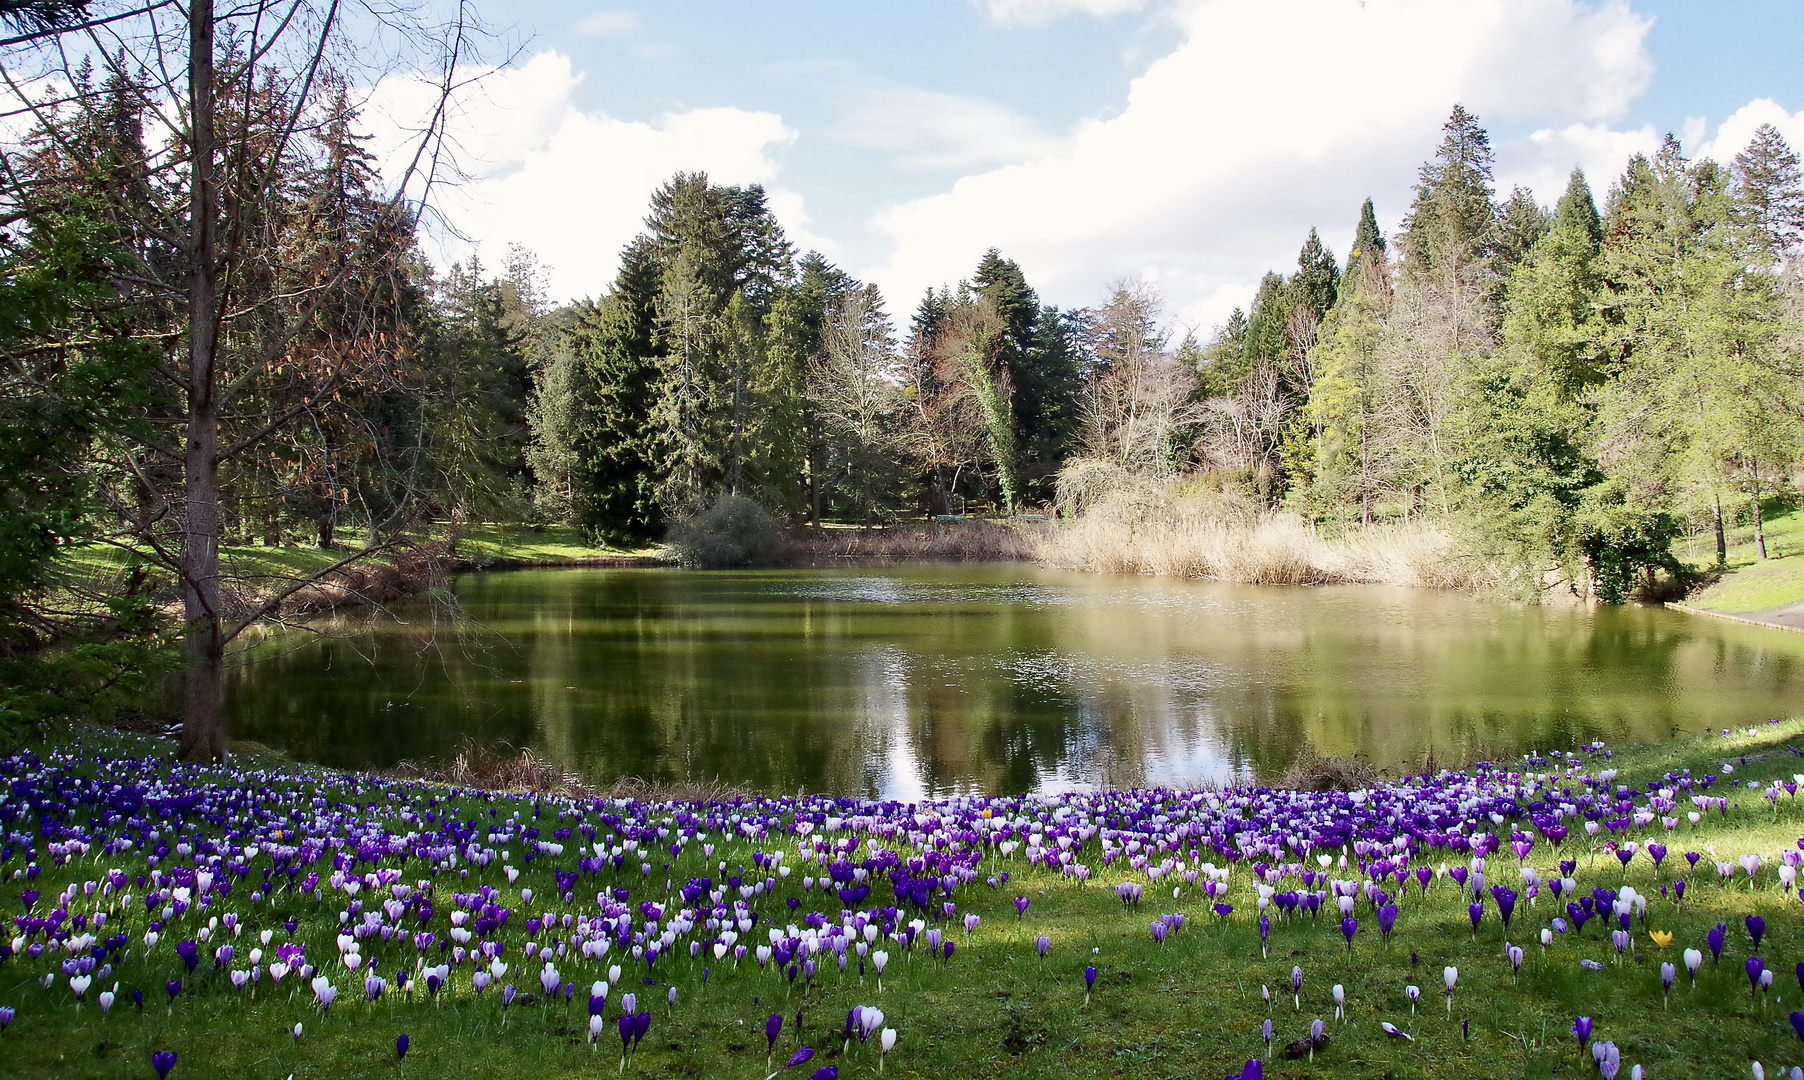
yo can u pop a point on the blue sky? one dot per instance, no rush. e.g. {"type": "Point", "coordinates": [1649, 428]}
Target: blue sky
{"type": "Point", "coordinates": [1189, 142]}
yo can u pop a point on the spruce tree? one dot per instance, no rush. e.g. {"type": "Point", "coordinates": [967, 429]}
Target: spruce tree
{"type": "Point", "coordinates": [1452, 222]}
{"type": "Point", "coordinates": [1769, 191]}
{"type": "Point", "coordinates": [1368, 242]}
{"type": "Point", "coordinates": [1317, 279]}
{"type": "Point", "coordinates": [1520, 223]}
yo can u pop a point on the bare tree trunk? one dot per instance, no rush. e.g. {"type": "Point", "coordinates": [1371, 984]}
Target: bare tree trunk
{"type": "Point", "coordinates": [203, 729]}
{"type": "Point", "coordinates": [1722, 541]}
{"type": "Point", "coordinates": [1759, 520]}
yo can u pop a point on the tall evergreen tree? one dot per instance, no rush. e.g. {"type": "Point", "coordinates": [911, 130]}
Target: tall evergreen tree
{"type": "Point", "coordinates": [1769, 191]}
{"type": "Point", "coordinates": [1452, 222]}
{"type": "Point", "coordinates": [1520, 223]}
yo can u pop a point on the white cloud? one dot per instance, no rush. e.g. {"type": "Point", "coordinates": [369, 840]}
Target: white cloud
{"type": "Point", "coordinates": [573, 185]}
{"type": "Point", "coordinates": [1035, 12]}
{"type": "Point", "coordinates": [927, 130]}
{"type": "Point", "coordinates": [1544, 161]}
{"type": "Point", "coordinates": [1734, 133]}
{"type": "Point", "coordinates": [1271, 117]}
{"type": "Point", "coordinates": [608, 24]}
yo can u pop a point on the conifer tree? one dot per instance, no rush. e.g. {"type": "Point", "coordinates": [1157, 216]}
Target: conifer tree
{"type": "Point", "coordinates": [1452, 222]}
{"type": "Point", "coordinates": [1769, 191]}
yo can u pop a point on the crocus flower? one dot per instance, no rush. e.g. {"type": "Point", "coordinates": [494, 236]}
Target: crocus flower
{"type": "Point", "coordinates": [401, 1044]}
{"type": "Point", "coordinates": [1394, 1032]}
{"type": "Point", "coordinates": [1582, 1028]}
{"type": "Point", "coordinates": [1756, 929]}
{"type": "Point", "coordinates": [1020, 906]}
{"type": "Point", "coordinates": [1348, 927]}
{"type": "Point", "coordinates": [1756, 967]}
{"type": "Point", "coordinates": [1797, 1024]}
{"type": "Point", "coordinates": [1414, 994]}
{"type": "Point", "coordinates": [1715, 938]}
{"type": "Point", "coordinates": [1668, 974]}
{"type": "Point", "coordinates": [1296, 986]}
{"type": "Point", "coordinates": [1089, 982]}
{"type": "Point", "coordinates": [1693, 960]}
{"type": "Point", "coordinates": [162, 1061]}
{"type": "Point", "coordinates": [1387, 921]}
{"type": "Point", "coordinates": [886, 1041]}
{"type": "Point", "coordinates": [1451, 976]}
{"type": "Point", "coordinates": [826, 1072]}
{"type": "Point", "coordinates": [1042, 943]}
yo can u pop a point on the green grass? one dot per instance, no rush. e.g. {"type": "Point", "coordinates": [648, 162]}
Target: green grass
{"type": "Point", "coordinates": [552, 543]}
{"type": "Point", "coordinates": [1753, 584]}
{"type": "Point", "coordinates": [97, 564]}
{"type": "Point", "coordinates": [1191, 1007]}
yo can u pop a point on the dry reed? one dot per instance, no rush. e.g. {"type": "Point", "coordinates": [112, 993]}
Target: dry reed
{"type": "Point", "coordinates": [1224, 541]}
{"type": "Point", "coordinates": [965, 541]}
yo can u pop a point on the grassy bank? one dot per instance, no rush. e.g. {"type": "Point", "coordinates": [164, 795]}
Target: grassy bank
{"type": "Point", "coordinates": [702, 881]}
{"type": "Point", "coordinates": [1755, 585]}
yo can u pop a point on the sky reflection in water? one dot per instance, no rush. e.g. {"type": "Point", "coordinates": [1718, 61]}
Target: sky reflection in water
{"type": "Point", "coordinates": [928, 680]}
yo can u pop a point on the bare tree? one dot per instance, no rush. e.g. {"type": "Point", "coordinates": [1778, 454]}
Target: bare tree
{"type": "Point", "coordinates": [259, 293]}
{"type": "Point", "coordinates": [855, 389]}
{"type": "Point", "coordinates": [1138, 401]}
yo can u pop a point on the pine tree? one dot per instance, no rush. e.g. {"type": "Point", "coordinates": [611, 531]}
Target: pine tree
{"type": "Point", "coordinates": [1520, 223]}
{"type": "Point", "coordinates": [1577, 210]}
{"type": "Point", "coordinates": [1317, 279]}
{"type": "Point", "coordinates": [1368, 242]}
{"type": "Point", "coordinates": [614, 380]}
{"type": "Point", "coordinates": [1452, 223]}
{"type": "Point", "coordinates": [1769, 191]}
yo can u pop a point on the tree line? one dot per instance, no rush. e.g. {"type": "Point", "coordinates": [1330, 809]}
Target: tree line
{"type": "Point", "coordinates": [218, 327]}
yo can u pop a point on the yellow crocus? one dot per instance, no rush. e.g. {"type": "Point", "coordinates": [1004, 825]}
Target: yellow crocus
{"type": "Point", "coordinates": [1662, 938]}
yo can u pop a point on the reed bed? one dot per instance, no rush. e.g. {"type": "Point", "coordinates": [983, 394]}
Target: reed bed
{"type": "Point", "coordinates": [1229, 544]}
{"type": "Point", "coordinates": [965, 541]}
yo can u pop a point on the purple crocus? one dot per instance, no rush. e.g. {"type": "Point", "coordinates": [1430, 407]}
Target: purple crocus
{"type": "Point", "coordinates": [1089, 982]}
{"type": "Point", "coordinates": [162, 1061]}
{"type": "Point", "coordinates": [174, 987]}
{"type": "Point", "coordinates": [1582, 1028]}
{"type": "Point", "coordinates": [826, 1072]}
{"type": "Point", "coordinates": [1476, 910]}
{"type": "Point", "coordinates": [1756, 929]}
{"type": "Point", "coordinates": [773, 1027]}
{"type": "Point", "coordinates": [1506, 903]}
{"type": "Point", "coordinates": [1042, 943]}
{"type": "Point", "coordinates": [1755, 966]}
{"type": "Point", "coordinates": [401, 1044]}
{"type": "Point", "coordinates": [1797, 1024]}
{"type": "Point", "coordinates": [799, 1057]}
{"type": "Point", "coordinates": [7, 1013]}
{"type": "Point", "coordinates": [1021, 903]}
{"type": "Point", "coordinates": [1715, 938]}
{"type": "Point", "coordinates": [1387, 921]}
{"type": "Point", "coordinates": [1348, 927]}
{"type": "Point", "coordinates": [190, 954]}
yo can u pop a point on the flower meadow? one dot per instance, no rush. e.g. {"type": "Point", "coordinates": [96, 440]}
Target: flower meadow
{"type": "Point", "coordinates": [1583, 913]}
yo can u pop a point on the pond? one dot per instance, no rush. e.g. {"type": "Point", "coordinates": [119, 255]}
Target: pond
{"type": "Point", "coordinates": [929, 680]}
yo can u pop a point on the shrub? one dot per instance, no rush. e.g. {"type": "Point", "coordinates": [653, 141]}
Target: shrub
{"type": "Point", "coordinates": [731, 532]}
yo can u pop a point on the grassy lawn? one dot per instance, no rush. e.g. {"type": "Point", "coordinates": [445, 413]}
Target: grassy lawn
{"type": "Point", "coordinates": [1189, 1006]}
{"type": "Point", "coordinates": [552, 543]}
{"type": "Point", "coordinates": [1752, 584]}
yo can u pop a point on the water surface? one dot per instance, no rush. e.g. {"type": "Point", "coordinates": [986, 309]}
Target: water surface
{"type": "Point", "coordinates": [927, 680]}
